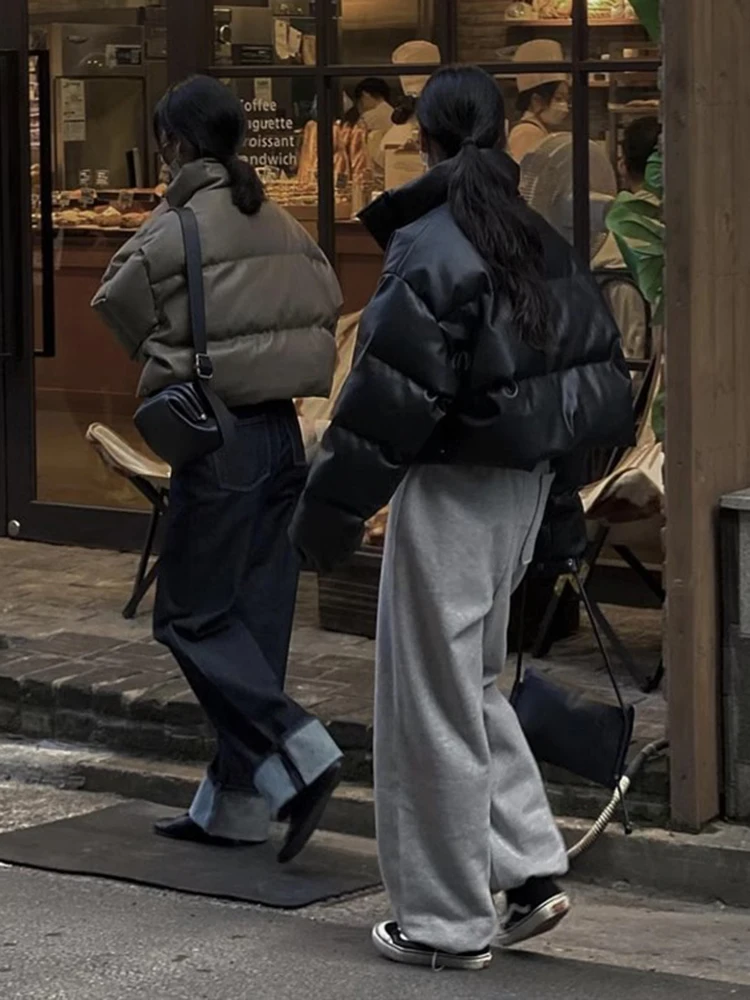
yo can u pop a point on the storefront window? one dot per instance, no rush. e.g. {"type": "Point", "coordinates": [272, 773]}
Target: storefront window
{"type": "Point", "coordinates": [97, 70]}
{"type": "Point", "coordinates": [277, 32]}
{"type": "Point", "coordinates": [492, 31]}
{"type": "Point", "coordinates": [369, 31]}
{"type": "Point", "coordinates": [282, 141]}
{"type": "Point", "coordinates": [94, 80]}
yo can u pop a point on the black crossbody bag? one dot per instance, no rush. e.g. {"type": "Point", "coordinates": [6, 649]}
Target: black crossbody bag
{"type": "Point", "coordinates": [566, 729]}
{"type": "Point", "coordinates": [187, 421]}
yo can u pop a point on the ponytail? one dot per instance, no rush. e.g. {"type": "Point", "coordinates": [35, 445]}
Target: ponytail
{"type": "Point", "coordinates": [248, 193]}
{"type": "Point", "coordinates": [487, 207]}
{"type": "Point", "coordinates": [462, 112]}
{"type": "Point", "coordinates": [204, 119]}
{"type": "Point", "coordinates": [404, 110]}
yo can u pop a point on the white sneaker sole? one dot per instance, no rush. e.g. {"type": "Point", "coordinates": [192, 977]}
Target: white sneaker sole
{"type": "Point", "coordinates": [543, 920]}
{"type": "Point", "coordinates": [387, 947]}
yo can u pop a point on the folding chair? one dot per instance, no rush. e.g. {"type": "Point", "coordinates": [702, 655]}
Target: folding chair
{"type": "Point", "coordinates": [631, 489]}
{"type": "Point", "coordinates": [151, 478]}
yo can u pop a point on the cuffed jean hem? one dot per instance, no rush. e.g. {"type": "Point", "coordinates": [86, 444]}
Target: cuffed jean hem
{"type": "Point", "coordinates": [231, 813]}
{"type": "Point", "coordinates": [310, 750]}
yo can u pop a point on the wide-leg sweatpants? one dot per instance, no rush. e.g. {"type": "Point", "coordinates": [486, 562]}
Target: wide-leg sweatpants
{"type": "Point", "coordinates": [461, 808]}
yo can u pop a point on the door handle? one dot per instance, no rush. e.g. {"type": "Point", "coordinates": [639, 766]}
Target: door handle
{"type": "Point", "coordinates": [47, 231]}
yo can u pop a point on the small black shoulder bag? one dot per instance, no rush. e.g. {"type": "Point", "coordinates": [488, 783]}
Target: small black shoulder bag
{"type": "Point", "coordinates": [186, 421]}
{"type": "Point", "coordinates": [562, 726]}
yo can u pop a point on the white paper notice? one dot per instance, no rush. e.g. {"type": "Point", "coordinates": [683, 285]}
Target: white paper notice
{"type": "Point", "coordinates": [73, 110]}
{"type": "Point", "coordinates": [281, 38]}
{"type": "Point", "coordinates": [264, 89]}
{"type": "Point", "coordinates": [295, 42]}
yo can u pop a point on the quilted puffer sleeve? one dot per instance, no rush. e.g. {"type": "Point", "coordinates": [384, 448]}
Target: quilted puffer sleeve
{"type": "Point", "coordinates": [125, 302]}
{"type": "Point", "coordinates": [399, 390]}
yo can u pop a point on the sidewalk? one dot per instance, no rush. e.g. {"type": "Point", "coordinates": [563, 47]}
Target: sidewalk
{"type": "Point", "coordinates": [72, 669]}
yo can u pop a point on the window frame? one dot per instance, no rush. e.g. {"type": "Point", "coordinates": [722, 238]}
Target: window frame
{"type": "Point", "coordinates": [327, 72]}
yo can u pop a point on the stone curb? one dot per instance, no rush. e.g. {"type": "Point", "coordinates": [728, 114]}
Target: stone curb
{"type": "Point", "coordinates": [709, 867]}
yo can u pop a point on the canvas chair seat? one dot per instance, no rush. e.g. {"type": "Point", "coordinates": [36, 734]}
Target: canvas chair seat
{"type": "Point", "coordinates": [121, 458]}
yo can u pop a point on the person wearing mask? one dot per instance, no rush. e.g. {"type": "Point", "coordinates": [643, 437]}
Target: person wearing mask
{"type": "Point", "coordinates": [228, 573]}
{"type": "Point", "coordinates": [543, 98]}
{"type": "Point", "coordinates": [487, 360]}
{"type": "Point", "coordinates": [640, 140]}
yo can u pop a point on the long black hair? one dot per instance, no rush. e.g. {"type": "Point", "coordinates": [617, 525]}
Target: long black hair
{"type": "Point", "coordinates": [462, 112]}
{"type": "Point", "coordinates": [207, 121]}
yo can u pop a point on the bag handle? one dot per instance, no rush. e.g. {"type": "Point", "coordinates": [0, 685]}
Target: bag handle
{"type": "Point", "coordinates": [593, 617]}
{"type": "Point", "coordinates": [203, 368]}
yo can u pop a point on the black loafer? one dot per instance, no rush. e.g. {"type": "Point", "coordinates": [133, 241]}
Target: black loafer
{"type": "Point", "coordinates": [183, 828]}
{"type": "Point", "coordinates": [305, 812]}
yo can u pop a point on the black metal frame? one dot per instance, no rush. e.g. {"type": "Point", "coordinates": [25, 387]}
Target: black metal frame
{"type": "Point", "coordinates": [190, 47]}
{"type": "Point", "coordinates": [145, 578]}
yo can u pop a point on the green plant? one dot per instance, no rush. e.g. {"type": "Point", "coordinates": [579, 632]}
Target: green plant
{"type": "Point", "coordinates": [649, 12]}
{"type": "Point", "coordinates": [637, 223]}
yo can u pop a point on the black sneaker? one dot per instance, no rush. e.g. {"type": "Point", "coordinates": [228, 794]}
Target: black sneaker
{"type": "Point", "coordinates": [393, 945]}
{"type": "Point", "coordinates": [534, 909]}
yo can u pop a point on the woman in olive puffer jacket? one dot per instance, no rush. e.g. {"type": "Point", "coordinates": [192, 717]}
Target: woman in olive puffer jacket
{"type": "Point", "coordinates": [228, 573]}
{"type": "Point", "coordinates": [487, 362]}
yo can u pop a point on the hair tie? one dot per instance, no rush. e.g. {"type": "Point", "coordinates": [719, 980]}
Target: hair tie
{"type": "Point", "coordinates": [469, 141]}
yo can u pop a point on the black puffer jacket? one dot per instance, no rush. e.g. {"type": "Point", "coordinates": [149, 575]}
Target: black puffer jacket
{"type": "Point", "coordinates": [441, 376]}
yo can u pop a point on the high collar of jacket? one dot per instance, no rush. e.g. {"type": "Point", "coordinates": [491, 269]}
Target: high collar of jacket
{"type": "Point", "coordinates": [402, 206]}
{"type": "Point", "coordinates": [194, 177]}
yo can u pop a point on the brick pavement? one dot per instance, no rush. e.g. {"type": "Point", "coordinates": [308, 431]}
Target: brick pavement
{"type": "Point", "coordinates": [71, 668]}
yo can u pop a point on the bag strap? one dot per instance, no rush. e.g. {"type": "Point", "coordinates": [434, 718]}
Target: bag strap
{"type": "Point", "coordinates": [203, 370]}
{"type": "Point", "coordinates": [191, 239]}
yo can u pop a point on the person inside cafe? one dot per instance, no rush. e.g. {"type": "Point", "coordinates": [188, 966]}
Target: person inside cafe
{"type": "Point", "coordinates": [543, 98]}
{"type": "Point", "coordinates": [373, 99]}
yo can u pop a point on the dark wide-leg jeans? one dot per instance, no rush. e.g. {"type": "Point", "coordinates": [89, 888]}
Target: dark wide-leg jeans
{"type": "Point", "coordinates": [224, 607]}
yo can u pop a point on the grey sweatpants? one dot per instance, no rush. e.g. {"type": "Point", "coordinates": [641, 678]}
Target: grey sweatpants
{"type": "Point", "coordinates": [461, 808]}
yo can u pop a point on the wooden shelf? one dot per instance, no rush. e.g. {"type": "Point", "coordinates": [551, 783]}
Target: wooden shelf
{"type": "Point", "coordinates": [565, 22]}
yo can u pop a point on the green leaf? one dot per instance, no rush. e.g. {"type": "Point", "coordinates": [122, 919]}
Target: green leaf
{"type": "Point", "coordinates": [655, 174]}
{"type": "Point", "coordinates": [637, 223]}
{"type": "Point", "coordinates": [649, 12]}
{"type": "Point", "coordinates": [659, 417]}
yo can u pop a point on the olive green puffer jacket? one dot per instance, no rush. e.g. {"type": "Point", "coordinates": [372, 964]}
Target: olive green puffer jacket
{"type": "Point", "coordinates": [272, 298]}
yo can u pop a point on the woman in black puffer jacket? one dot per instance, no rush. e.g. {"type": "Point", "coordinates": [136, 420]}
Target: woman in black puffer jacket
{"type": "Point", "coordinates": [487, 362]}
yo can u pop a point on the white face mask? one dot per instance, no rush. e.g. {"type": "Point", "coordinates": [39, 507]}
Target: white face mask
{"type": "Point", "coordinates": [425, 158]}
{"type": "Point", "coordinates": [555, 114]}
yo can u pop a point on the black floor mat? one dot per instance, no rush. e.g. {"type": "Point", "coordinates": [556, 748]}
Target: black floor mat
{"type": "Point", "coordinates": [118, 843]}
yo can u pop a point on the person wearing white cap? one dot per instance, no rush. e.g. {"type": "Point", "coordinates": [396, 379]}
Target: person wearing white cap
{"type": "Point", "coordinates": [543, 98]}
{"type": "Point", "coordinates": [404, 115]}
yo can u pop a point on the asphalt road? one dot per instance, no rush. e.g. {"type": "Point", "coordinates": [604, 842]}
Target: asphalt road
{"type": "Point", "coordinates": [78, 939]}
{"type": "Point", "coordinates": [64, 938]}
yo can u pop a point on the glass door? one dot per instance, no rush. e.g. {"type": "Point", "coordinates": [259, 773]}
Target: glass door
{"type": "Point", "coordinates": [85, 174]}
